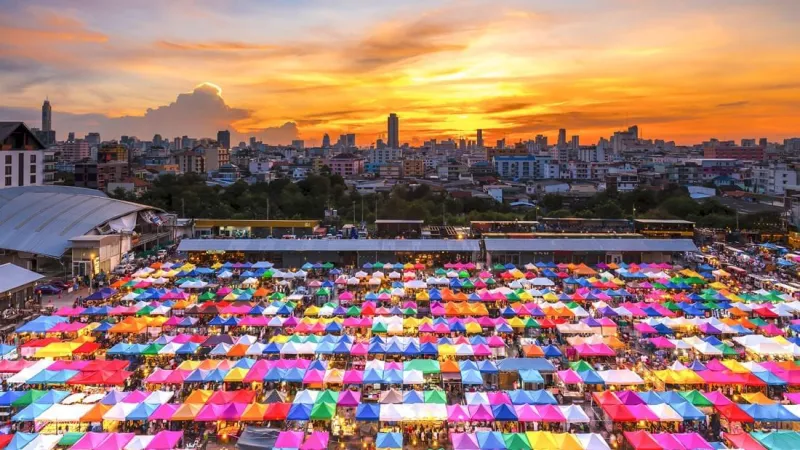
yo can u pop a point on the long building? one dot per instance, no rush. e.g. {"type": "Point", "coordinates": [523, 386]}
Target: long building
{"type": "Point", "coordinates": [356, 252]}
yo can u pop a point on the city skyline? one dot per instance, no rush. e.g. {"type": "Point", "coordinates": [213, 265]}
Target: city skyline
{"type": "Point", "coordinates": [682, 72]}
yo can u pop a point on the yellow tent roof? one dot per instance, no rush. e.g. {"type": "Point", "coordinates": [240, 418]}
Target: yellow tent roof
{"type": "Point", "coordinates": [57, 350]}
{"type": "Point", "coordinates": [758, 398]}
{"type": "Point", "coordinates": [542, 440]}
{"type": "Point", "coordinates": [567, 441]}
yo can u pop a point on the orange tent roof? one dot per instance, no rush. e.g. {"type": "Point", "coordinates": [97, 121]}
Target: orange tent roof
{"type": "Point", "coordinates": [532, 351]}
{"type": "Point", "coordinates": [254, 413]}
{"type": "Point", "coordinates": [449, 367]}
{"type": "Point", "coordinates": [187, 411]}
{"type": "Point", "coordinates": [96, 413]}
{"type": "Point", "coordinates": [238, 350]}
{"type": "Point", "coordinates": [198, 396]}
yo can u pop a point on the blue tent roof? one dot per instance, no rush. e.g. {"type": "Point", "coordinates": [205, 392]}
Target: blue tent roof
{"type": "Point", "coordinates": [369, 412]}
{"type": "Point", "coordinates": [389, 440]}
{"type": "Point", "coordinates": [517, 364]}
{"type": "Point", "coordinates": [299, 411]}
{"type": "Point", "coordinates": [490, 440]}
{"type": "Point", "coordinates": [504, 413]}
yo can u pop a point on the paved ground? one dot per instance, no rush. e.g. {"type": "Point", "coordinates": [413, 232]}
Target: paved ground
{"type": "Point", "coordinates": [65, 299]}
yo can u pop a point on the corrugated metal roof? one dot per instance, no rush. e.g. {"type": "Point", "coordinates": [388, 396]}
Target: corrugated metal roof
{"type": "Point", "coordinates": [42, 221]}
{"type": "Point", "coordinates": [13, 276]}
{"type": "Point", "coordinates": [590, 245]}
{"type": "Point", "coordinates": [322, 245]}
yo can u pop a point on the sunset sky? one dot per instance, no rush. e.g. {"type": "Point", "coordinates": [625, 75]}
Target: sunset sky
{"type": "Point", "coordinates": [681, 69]}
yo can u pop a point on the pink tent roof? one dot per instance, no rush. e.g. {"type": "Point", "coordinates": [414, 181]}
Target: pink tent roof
{"type": "Point", "coordinates": [165, 411]}
{"type": "Point", "coordinates": [289, 439]}
{"type": "Point", "coordinates": [569, 376]}
{"type": "Point", "coordinates": [314, 376]}
{"type": "Point", "coordinates": [66, 311]}
{"type": "Point", "coordinates": [717, 398]}
{"type": "Point", "coordinates": [457, 413]}
{"type": "Point", "coordinates": [693, 441]}
{"type": "Point", "coordinates": [497, 398]}
{"type": "Point", "coordinates": [527, 413]}
{"type": "Point", "coordinates": [550, 413]}
{"type": "Point", "coordinates": [90, 441]}
{"type": "Point", "coordinates": [165, 440]}
{"type": "Point", "coordinates": [353, 377]}
{"type": "Point", "coordinates": [136, 397]}
{"type": "Point", "coordinates": [464, 441]}
{"type": "Point", "coordinates": [345, 296]}
{"type": "Point", "coordinates": [158, 376]}
{"type": "Point", "coordinates": [318, 440]}
{"type": "Point", "coordinates": [210, 413]}
{"type": "Point", "coordinates": [178, 376]}
{"type": "Point", "coordinates": [359, 348]}
{"type": "Point", "coordinates": [495, 341]}
{"type": "Point", "coordinates": [480, 412]}
{"type": "Point", "coordinates": [662, 342]}
{"type": "Point", "coordinates": [668, 440]}
{"type": "Point", "coordinates": [642, 412]}
{"type": "Point", "coordinates": [349, 398]}
{"type": "Point", "coordinates": [793, 397]}
{"type": "Point", "coordinates": [115, 441]}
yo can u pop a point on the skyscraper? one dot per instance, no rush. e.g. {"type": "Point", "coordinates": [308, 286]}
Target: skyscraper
{"type": "Point", "coordinates": [393, 135]}
{"type": "Point", "coordinates": [562, 137]}
{"type": "Point", "coordinates": [47, 116]}
{"type": "Point", "coordinates": [224, 139]}
{"type": "Point", "coordinates": [480, 139]}
{"type": "Point", "coordinates": [326, 141]}
{"type": "Point", "coordinates": [576, 142]}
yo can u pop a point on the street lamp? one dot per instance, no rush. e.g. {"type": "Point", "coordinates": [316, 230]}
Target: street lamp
{"type": "Point", "coordinates": [91, 271]}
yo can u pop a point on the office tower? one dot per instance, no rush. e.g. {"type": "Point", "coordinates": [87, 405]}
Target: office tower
{"type": "Point", "coordinates": [562, 137]}
{"type": "Point", "coordinates": [93, 138]}
{"type": "Point", "coordinates": [71, 136]}
{"type": "Point", "coordinates": [462, 144]}
{"type": "Point", "coordinates": [326, 141]}
{"type": "Point", "coordinates": [541, 142]}
{"type": "Point", "coordinates": [501, 143]}
{"type": "Point", "coordinates": [634, 131]}
{"type": "Point", "coordinates": [47, 116]}
{"type": "Point", "coordinates": [393, 135]}
{"type": "Point", "coordinates": [762, 142]}
{"type": "Point", "coordinates": [748, 142]}
{"type": "Point", "coordinates": [298, 144]}
{"type": "Point", "coordinates": [224, 139]}
{"type": "Point", "coordinates": [350, 140]}
{"type": "Point", "coordinates": [157, 140]}
{"type": "Point", "coordinates": [176, 143]}
{"type": "Point", "coordinates": [576, 142]}
{"type": "Point", "coordinates": [252, 142]}
{"type": "Point", "coordinates": [480, 139]}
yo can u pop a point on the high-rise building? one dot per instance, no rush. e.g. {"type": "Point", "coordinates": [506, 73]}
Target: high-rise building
{"type": "Point", "coordinates": [347, 140]}
{"type": "Point", "coordinates": [93, 139]}
{"type": "Point", "coordinates": [71, 136]}
{"type": "Point", "coordinates": [462, 144]}
{"type": "Point", "coordinates": [326, 141]}
{"type": "Point", "coordinates": [480, 139]}
{"type": "Point", "coordinates": [748, 142]}
{"type": "Point", "coordinates": [501, 143]}
{"type": "Point", "coordinates": [47, 116]}
{"type": "Point", "coordinates": [576, 142]}
{"type": "Point", "coordinates": [158, 140]}
{"type": "Point", "coordinates": [176, 143]}
{"type": "Point", "coordinates": [393, 135]}
{"type": "Point", "coordinates": [252, 142]}
{"type": "Point", "coordinates": [298, 144]}
{"type": "Point", "coordinates": [763, 142]}
{"type": "Point", "coordinates": [224, 138]}
{"type": "Point", "coordinates": [562, 137]}
{"type": "Point", "coordinates": [75, 150]}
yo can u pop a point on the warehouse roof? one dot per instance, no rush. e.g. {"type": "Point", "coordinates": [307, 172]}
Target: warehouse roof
{"type": "Point", "coordinates": [42, 219]}
{"type": "Point", "coordinates": [13, 277]}
{"type": "Point", "coordinates": [322, 245]}
{"type": "Point", "coordinates": [590, 245]}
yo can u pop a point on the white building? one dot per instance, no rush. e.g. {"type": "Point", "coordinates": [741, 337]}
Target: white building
{"type": "Point", "coordinates": [23, 157]}
{"type": "Point", "coordinates": [385, 155]}
{"type": "Point", "coordinates": [772, 179]}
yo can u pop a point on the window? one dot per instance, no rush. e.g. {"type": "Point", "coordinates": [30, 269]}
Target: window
{"type": "Point", "coordinates": [33, 168]}
{"type": "Point", "coordinates": [8, 159]}
{"type": "Point", "coordinates": [33, 158]}
{"type": "Point", "coordinates": [8, 181]}
{"type": "Point", "coordinates": [33, 179]}
{"type": "Point", "coordinates": [8, 170]}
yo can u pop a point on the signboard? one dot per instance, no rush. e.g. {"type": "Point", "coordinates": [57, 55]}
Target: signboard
{"type": "Point", "coordinates": [96, 265]}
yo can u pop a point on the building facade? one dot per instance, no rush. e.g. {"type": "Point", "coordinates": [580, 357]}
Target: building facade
{"type": "Point", "coordinates": [393, 131]}
{"type": "Point", "coordinates": [22, 156]}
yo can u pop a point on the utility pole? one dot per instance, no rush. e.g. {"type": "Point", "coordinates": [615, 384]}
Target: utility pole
{"type": "Point", "coordinates": [183, 208]}
{"type": "Point", "coordinates": [354, 213]}
{"type": "Point", "coordinates": [737, 220]}
{"type": "Point", "coordinates": [362, 209]}
{"type": "Point", "coordinates": [267, 207]}
{"type": "Point", "coordinates": [376, 206]}
{"type": "Point", "coordinates": [444, 211]}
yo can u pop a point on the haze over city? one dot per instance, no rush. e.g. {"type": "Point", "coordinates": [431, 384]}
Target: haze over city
{"type": "Point", "coordinates": [684, 71]}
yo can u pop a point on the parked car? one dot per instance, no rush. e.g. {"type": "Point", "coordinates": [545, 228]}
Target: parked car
{"type": "Point", "coordinates": [63, 285]}
{"type": "Point", "coordinates": [48, 289]}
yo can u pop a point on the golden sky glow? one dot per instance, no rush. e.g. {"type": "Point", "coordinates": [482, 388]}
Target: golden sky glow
{"type": "Point", "coordinates": [680, 69]}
